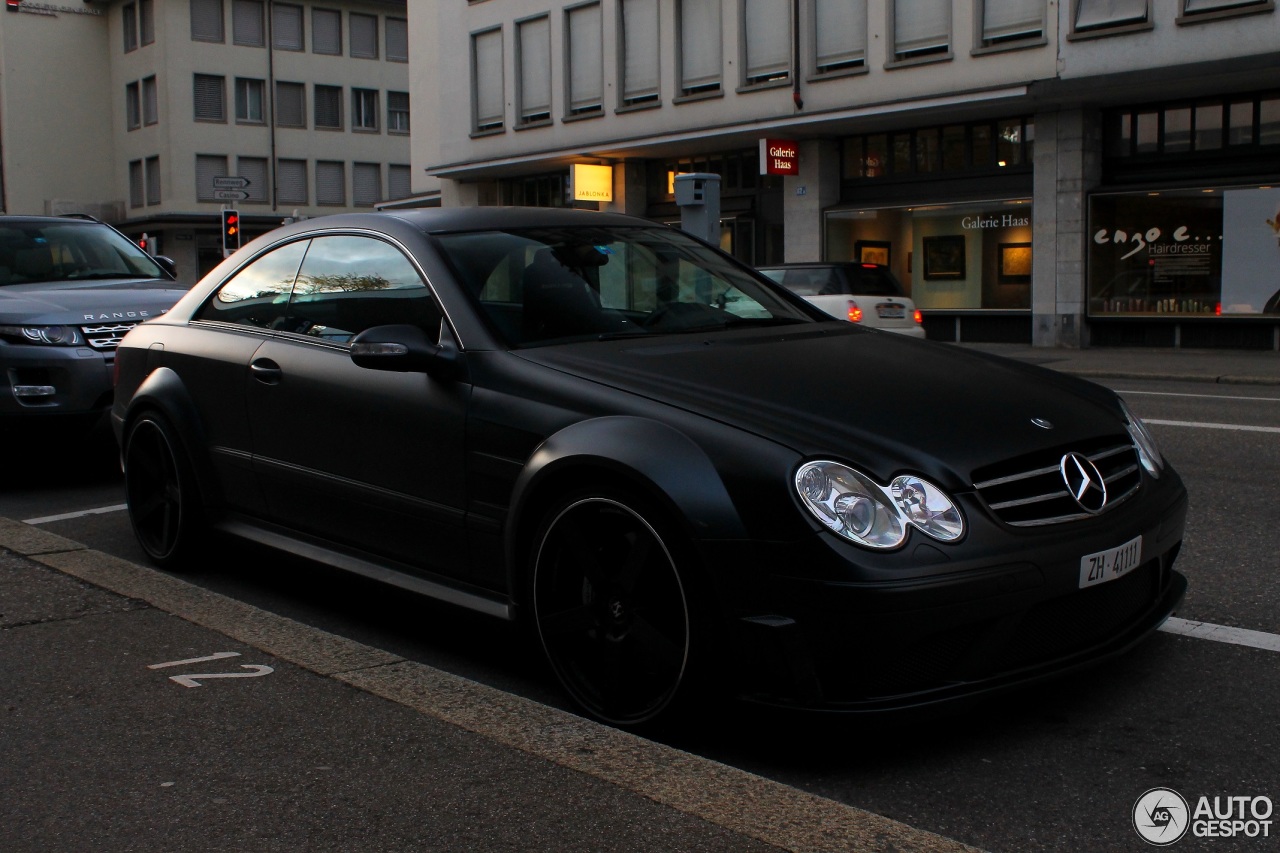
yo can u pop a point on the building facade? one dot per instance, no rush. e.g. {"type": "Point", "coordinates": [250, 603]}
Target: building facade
{"type": "Point", "coordinates": [155, 115]}
{"type": "Point", "coordinates": [1064, 173]}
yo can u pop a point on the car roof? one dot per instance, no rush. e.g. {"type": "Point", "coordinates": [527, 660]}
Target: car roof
{"type": "Point", "coordinates": [443, 219]}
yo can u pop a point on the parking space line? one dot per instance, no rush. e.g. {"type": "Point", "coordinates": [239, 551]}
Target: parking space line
{"type": "Point", "coordinates": [1202, 396]}
{"type": "Point", "coordinates": [1199, 425]}
{"type": "Point", "coordinates": [66, 516]}
{"type": "Point", "coordinates": [1222, 634]}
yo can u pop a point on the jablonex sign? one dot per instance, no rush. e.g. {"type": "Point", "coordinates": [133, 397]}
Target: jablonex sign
{"type": "Point", "coordinates": [779, 157]}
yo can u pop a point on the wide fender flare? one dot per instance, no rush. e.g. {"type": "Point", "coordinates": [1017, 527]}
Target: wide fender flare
{"type": "Point", "coordinates": [654, 457]}
{"type": "Point", "coordinates": [163, 390]}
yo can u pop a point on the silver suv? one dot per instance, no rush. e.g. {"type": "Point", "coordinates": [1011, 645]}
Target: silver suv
{"type": "Point", "coordinates": [70, 288]}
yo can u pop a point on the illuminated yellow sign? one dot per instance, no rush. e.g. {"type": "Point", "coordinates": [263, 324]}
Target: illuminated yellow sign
{"type": "Point", "coordinates": [591, 183]}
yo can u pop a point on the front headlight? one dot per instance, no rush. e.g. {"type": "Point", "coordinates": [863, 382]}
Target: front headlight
{"type": "Point", "coordinates": [1148, 451]}
{"type": "Point", "coordinates": [874, 516]}
{"type": "Point", "coordinates": [58, 336]}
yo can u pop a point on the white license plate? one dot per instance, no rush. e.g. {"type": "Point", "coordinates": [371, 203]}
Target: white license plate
{"type": "Point", "coordinates": [889, 311]}
{"type": "Point", "coordinates": [1110, 564]}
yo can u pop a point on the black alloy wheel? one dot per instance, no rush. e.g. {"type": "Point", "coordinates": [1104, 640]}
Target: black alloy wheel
{"type": "Point", "coordinates": [611, 611]}
{"type": "Point", "coordinates": [160, 493]}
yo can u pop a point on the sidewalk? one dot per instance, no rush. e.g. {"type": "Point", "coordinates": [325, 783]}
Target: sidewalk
{"type": "Point", "coordinates": [143, 713]}
{"type": "Point", "coordinates": [1235, 367]}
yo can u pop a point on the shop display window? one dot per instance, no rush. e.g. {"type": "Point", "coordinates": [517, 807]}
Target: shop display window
{"type": "Point", "coordinates": [973, 255]}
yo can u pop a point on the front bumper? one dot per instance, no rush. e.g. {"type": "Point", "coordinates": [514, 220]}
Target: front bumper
{"type": "Point", "coordinates": [45, 381]}
{"type": "Point", "coordinates": [871, 643]}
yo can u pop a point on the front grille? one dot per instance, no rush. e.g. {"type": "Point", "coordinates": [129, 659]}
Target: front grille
{"type": "Point", "coordinates": [1031, 490]}
{"type": "Point", "coordinates": [106, 337]}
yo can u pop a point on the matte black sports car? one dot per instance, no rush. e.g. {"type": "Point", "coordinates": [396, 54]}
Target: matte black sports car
{"type": "Point", "coordinates": [673, 468]}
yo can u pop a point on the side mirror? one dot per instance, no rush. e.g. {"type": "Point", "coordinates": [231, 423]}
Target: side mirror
{"type": "Point", "coordinates": [402, 348]}
{"type": "Point", "coordinates": [167, 264]}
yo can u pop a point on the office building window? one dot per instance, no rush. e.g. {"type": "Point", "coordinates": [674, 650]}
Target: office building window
{"type": "Point", "coordinates": [129, 17]}
{"type": "Point", "coordinates": [133, 106]}
{"type": "Point", "coordinates": [364, 35]}
{"type": "Point", "coordinates": [533, 62]}
{"type": "Point", "coordinates": [364, 109]}
{"type": "Point", "coordinates": [255, 170]}
{"type": "Point", "coordinates": [1199, 7]}
{"type": "Point", "coordinates": [331, 182]}
{"type": "Point", "coordinates": [366, 184]}
{"type": "Point", "coordinates": [247, 24]}
{"type": "Point", "coordinates": [701, 49]}
{"type": "Point", "coordinates": [208, 167]}
{"type": "Point", "coordinates": [921, 28]}
{"type": "Point", "coordinates": [291, 110]}
{"type": "Point", "coordinates": [326, 32]}
{"type": "Point", "coordinates": [1008, 21]}
{"type": "Point", "coordinates": [153, 180]}
{"type": "Point", "coordinates": [766, 49]}
{"type": "Point", "coordinates": [210, 98]}
{"type": "Point", "coordinates": [328, 107]}
{"type": "Point", "coordinates": [286, 27]}
{"type": "Point", "coordinates": [137, 185]}
{"type": "Point", "coordinates": [486, 80]}
{"type": "Point", "coordinates": [206, 20]}
{"type": "Point", "coordinates": [584, 60]}
{"type": "Point", "coordinates": [399, 181]}
{"type": "Point", "coordinates": [397, 112]}
{"type": "Point", "coordinates": [638, 22]}
{"type": "Point", "coordinates": [397, 40]}
{"type": "Point", "coordinates": [839, 35]}
{"type": "Point", "coordinates": [291, 176]}
{"type": "Point", "coordinates": [249, 98]}
{"type": "Point", "coordinates": [147, 21]}
{"type": "Point", "coordinates": [1092, 15]}
{"type": "Point", "coordinates": [150, 101]}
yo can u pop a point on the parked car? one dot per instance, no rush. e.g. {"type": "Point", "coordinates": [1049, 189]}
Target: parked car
{"type": "Point", "coordinates": [674, 469]}
{"type": "Point", "coordinates": [869, 294]}
{"type": "Point", "coordinates": [70, 288]}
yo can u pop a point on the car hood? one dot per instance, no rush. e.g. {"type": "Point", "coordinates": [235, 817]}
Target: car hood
{"type": "Point", "coordinates": [79, 302]}
{"type": "Point", "coordinates": [877, 400]}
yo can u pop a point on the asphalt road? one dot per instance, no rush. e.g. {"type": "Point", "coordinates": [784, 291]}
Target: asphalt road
{"type": "Point", "coordinates": [1055, 768]}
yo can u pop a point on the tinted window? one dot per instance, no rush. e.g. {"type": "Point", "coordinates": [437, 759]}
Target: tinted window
{"type": "Point", "coordinates": [58, 251]}
{"type": "Point", "coordinates": [348, 284]}
{"type": "Point", "coordinates": [873, 281]}
{"type": "Point", "coordinates": [258, 294]}
{"type": "Point", "coordinates": [538, 285]}
{"type": "Point", "coordinates": [853, 279]}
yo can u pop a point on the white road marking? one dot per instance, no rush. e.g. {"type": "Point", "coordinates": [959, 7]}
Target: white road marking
{"type": "Point", "coordinates": [1199, 425]}
{"type": "Point", "coordinates": [214, 656]}
{"type": "Point", "coordinates": [81, 514]}
{"type": "Point", "coordinates": [1203, 396]}
{"type": "Point", "coordinates": [1222, 634]}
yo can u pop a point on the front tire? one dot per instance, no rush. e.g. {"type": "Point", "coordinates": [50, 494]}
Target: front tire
{"type": "Point", "coordinates": [164, 505]}
{"type": "Point", "coordinates": [611, 609]}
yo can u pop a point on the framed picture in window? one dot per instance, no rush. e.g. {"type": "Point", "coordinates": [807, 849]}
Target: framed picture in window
{"type": "Point", "coordinates": [873, 252]}
{"type": "Point", "coordinates": [944, 258]}
{"type": "Point", "coordinates": [1015, 263]}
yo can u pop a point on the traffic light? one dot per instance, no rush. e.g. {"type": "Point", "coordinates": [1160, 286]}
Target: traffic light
{"type": "Point", "coordinates": [230, 230]}
{"type": "Point", "coordinates": [144, 243]}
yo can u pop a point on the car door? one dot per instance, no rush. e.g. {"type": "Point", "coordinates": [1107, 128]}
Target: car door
{"type": "Point", "coordinates": [212, 354]}
{"type": "Point", "coordinates": [362, 458]}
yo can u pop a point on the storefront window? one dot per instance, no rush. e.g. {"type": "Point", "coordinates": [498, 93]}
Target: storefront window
{"type": "Point", "coordinates": [947, 256]}
{"type": "Point", "coordinates": [1205, 251]}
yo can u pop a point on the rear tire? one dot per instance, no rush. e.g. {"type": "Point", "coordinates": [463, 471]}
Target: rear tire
{"type": "Point", "coordinates": [611, 610]}
{"type": "Point", "coordinates": [164, 504]}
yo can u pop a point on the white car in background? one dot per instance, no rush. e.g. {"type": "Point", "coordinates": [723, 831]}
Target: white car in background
{"type": "Point", "coordinates": [867, 294]}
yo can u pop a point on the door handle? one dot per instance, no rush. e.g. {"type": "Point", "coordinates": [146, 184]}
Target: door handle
{"type": "Point", "coordinates": [266, 371]}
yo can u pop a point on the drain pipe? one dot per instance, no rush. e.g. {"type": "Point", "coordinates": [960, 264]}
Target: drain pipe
{"type": "Point", "coordinates": [795, 55]}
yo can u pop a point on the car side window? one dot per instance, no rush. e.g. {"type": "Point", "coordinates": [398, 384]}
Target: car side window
{"type": "Point", "coordinates": [259, 293]}
{"type": "Point", "coordinates": [350, 283]}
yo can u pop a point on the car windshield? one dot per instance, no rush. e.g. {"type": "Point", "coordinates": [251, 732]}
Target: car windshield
{"type": "Point", "coordinates": [60, 251]}
{"type": "Point", "coordinates": [543, 285]}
